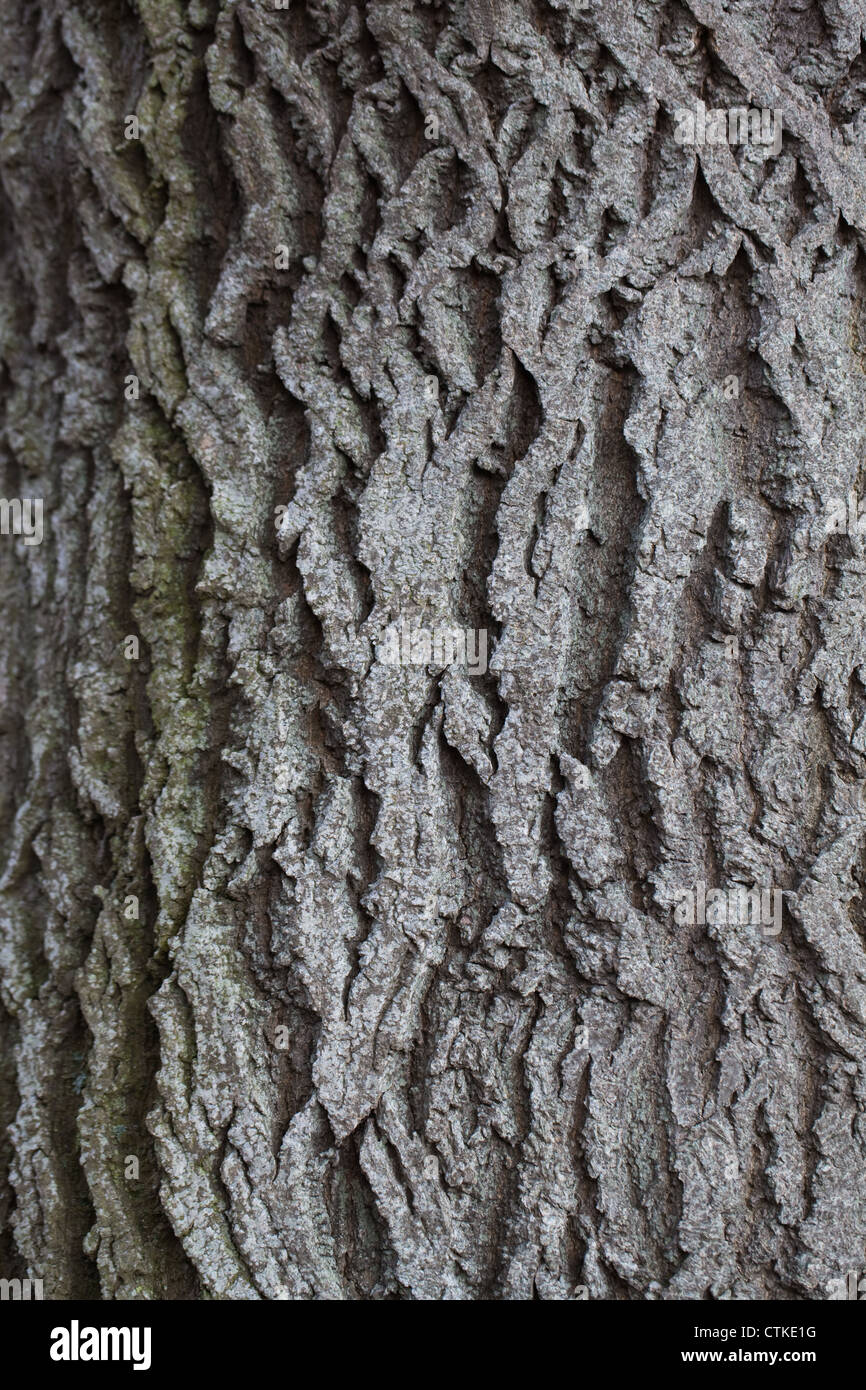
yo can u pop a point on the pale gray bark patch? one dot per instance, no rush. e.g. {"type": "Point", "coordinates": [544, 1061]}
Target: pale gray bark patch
{"type": "Point", "coordinates": [374, 970]}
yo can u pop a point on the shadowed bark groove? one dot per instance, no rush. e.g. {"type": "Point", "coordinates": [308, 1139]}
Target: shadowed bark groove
{"type": "Point", "coordinates": [325, 976]}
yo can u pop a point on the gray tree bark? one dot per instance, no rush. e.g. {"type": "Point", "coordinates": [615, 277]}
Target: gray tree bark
{"type": "Point", "coordinates": [325, 977]}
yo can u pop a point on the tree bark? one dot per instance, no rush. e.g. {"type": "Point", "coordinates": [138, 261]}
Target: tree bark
{"type": "Point", "coordinates": [332, 972]}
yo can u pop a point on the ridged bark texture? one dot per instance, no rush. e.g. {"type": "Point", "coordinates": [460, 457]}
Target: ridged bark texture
{"type": "Point", "coordinates": [325, 977]}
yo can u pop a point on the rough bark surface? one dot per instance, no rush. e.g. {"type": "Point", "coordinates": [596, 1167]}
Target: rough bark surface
{"type": "Point", "coordinates": [324, 978]}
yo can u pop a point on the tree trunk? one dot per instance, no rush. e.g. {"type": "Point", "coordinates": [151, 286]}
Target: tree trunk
{"type": "Point", "coordinates": [434, 718]}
